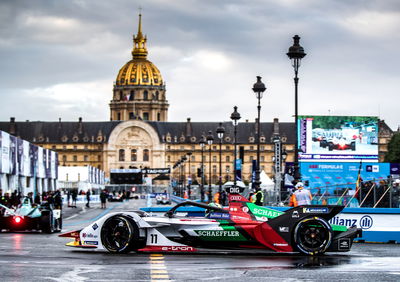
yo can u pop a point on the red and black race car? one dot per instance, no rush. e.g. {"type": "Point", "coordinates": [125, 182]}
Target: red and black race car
{"type": "Point", "coordinates": [242, 225]}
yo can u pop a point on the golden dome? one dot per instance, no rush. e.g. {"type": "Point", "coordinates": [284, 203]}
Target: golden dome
{"type": "Point", "coordinates": [139, 70]}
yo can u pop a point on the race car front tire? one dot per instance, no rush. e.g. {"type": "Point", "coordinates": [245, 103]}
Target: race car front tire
{"type": "Point", "coordinates": [119, 234]}
{"type": "Point", "coordinates": [312, 235]}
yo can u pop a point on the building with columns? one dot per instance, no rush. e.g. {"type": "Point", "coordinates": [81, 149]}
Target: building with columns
{"type": "Point", "coordinates": [140, 136]}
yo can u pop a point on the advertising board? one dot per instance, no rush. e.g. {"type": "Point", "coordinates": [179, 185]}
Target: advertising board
{"type": "Point", "coordinates": [338, 138]}
{"type": "Point", "coordinates": [320, 174]}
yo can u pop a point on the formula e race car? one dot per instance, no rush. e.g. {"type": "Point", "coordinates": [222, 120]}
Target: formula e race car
{"type": "Point", "coordinates": [31, 217]}
{"type": "Point", "coordinates": [242, 225]}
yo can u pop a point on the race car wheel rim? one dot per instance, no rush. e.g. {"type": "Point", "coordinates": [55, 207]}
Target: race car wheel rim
{"type": "Point", "coordinates": [313, 235]}
{"type": "Point", "coordinates": [117, 234]}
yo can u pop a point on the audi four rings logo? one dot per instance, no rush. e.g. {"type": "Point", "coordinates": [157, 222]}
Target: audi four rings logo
{"type": "Point", "coordinates": [366, 222]}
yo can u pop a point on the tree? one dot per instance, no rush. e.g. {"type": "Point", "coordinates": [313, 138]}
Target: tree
{"type": "Point", "coordinates": [393, 153]}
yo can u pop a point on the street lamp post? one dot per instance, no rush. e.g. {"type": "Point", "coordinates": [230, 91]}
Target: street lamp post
{"type": "Point", "coordinates": [202, 144]}
{"type": "Point", "coordinates": [210, 140]}
{"type": "Point", "coordinates": [189, 154]}
{"type": "Point", "coordinates": [183, 160]}
{"type": "Point", "coordinates": [220, 134]}
{"type": "Point", "coordinates": [295, 54]}
{"type": "Point", "coordinates": [235, 116]}
{"type": "Point", "coordinates": [258, 89]}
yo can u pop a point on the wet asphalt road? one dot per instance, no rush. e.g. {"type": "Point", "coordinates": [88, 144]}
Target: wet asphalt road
{"type": "Point", "coordinates": [42, 257]}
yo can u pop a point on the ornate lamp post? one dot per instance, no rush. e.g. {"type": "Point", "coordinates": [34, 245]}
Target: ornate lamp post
{"type": "Point", "coordinates": [210, 140]}
{"type": "Point", "coordinates": [183, 160]}
{"type": "Point", "coordinates": [295, 54]}
{"type": "Point", "coordinates": [235, 116]}
{"type": "Point", "coordinates": [220, 134]}
{"type": "Point", "coordinates": [258, 89]}
{"type": "Point", "coordinates": [202, 144]}
{"type": "Point", "coordinates": [189, 154]}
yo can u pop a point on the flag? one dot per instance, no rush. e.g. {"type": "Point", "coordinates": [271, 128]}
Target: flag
{"type": "Point", "coordinates": [127, 97]}
{"type": "Point", "coordinates": [359, 180]}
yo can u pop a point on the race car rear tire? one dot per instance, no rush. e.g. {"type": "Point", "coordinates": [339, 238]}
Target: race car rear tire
{"type": "Point", "coordinates": [119, 234]}
{"type": "Point", "coordinates": [312, 236]}
{"type": "Point", "coordinates": [46, 222]}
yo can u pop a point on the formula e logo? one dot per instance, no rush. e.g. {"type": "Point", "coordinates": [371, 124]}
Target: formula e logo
{"type": "Point", "coordinates": [366, 222]}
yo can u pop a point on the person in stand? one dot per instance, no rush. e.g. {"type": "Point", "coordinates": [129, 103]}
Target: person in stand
{"type": "Point", "coordinates": [74, 195]}
{"type": "Point", "coordinates": [103, 199]}
{"type": "Point", "coordinates": [68, 197]}
{"type": "Point", "coordinates": [88, 198]}
{"type": "Point", "coordinates": [301, 196]}
{"type": "Point", "coordinates": [258, 197]}
{"type": "Point", "coordinates": [58, 201]}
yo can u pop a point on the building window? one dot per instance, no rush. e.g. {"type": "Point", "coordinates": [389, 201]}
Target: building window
{"type": "Point", "coordinates": [64, 159]}
{"type": "Point", "coordinates": [156, 96]}
{"type": "Point", "coordinates": [98, 158]}
{"type": "Point", "coordinates": [251, 158]}
{"type": "Point", "coordinates": [132, 96]}
{"type": "Point", "coordinates": [158, 116]}
{"type": "Point", "coordinates": [145, 116]}
{"type": "Point", "coordinates": [146, 155]}
{"type": "Point", "coordinates": [121, 155]}
{"type": "Point", "coordinates": [168, 158]}
{"type": "Point", "coordinates": [133, 155]}
{"type": "Point", "coordinates": [227, 169]}
{"type": "Point", "coordinates": [131, 115]}
{"type": "Point", "coordinates": [262, 158]}
{"type": "Point", "coordinates": [262, 148]}
{"type": "Point", "coordinates": [85, 158]}
{"type": "Point", "coordinates": [227, 159]}
{"type": "Point", "coordinates": [251, 148]}
{"type": "Point", "coordinates": [227, 148]}
{"type": "Point", "coordinates": [214, 158]}
{"type": "Point", "coordinates": [75, 158]}
{"type": "Point", "coordinates": [145, 95]}
{"type": "Point", "coordinates": [64, 147]}
{"type": "Point", "coordinates": [53, 147]}
{"type": "Point", "coordinates": [214, 169]}
{"type": "Point", "coordinates": [119, 116]}
{"type": "Point", "coordinates": [75, 148]}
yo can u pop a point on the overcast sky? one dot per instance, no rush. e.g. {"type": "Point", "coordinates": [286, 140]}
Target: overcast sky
{"type": "Point", "coordinates": [59, 58]}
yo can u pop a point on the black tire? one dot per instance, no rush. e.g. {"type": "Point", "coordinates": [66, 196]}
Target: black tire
{"type": "Point", "coordinates": [312, 236]}
{"type": "Point", "coordinates": [46, 222]}
{"type": "Point", "coordinates": [330, 147]}
{"type": "Point", "coordinates": [353, 146]}
{"type": "Point", "coordinates": [119, 234]}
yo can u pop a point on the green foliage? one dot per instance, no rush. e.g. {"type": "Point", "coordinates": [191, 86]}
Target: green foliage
{"type": "Point", "coordinates": [393, 153]}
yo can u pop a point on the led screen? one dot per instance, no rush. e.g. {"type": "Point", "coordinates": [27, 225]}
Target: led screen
{"type": "Point", "coordinates": [337, 138]}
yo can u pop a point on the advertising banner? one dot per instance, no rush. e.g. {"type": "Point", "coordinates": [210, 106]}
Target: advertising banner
{"type": "Point", "coordinates": [53, 166]}
{"type": "Point", "coordinates": [5, 152]}
{"type": "Point", "coordinates": [321, 174]}
{"type": "Point", "coordinates": [26, 161]}
{"type": "Point", "coordinates": [40, 163]}
{"type": "Point", "coordinates": [13, 155]}
{"type": "Point", "coordinates": [338, 138]}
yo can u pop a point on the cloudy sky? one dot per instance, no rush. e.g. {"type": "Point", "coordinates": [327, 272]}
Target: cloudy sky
{"type": "Point", "coordinates": [59, 58]}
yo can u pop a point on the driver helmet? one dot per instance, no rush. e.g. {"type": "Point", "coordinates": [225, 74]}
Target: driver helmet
{"type": "Point", "coordinates": [299, 185]}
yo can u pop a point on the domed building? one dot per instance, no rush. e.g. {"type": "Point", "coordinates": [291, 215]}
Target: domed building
{"type": "Point", "coordinates": [139, 90]}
